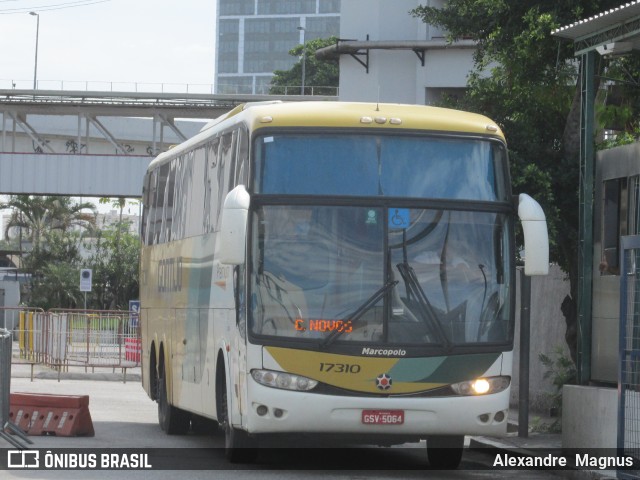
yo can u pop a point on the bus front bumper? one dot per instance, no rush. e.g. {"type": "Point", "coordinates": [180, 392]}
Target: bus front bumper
{"type": "Point", "coordinates": [272, 410]}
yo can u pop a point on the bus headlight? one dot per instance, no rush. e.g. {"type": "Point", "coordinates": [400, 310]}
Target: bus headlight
{"type": "Point", "coordinates": [285, 381]}
{"type": "Point", "coordinates": [482, 386]}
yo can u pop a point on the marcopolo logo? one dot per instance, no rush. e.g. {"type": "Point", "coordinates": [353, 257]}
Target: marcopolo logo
{"type": "Point", "coordinates": [23, 459]}
{"type": "Point", "coordinates": [383, 352]}
{"type": "Point", "coordinates": [383, 382]}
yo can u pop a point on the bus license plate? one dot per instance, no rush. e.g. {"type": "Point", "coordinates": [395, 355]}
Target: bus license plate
{"type": "Point", "coordinates": [383, 417]}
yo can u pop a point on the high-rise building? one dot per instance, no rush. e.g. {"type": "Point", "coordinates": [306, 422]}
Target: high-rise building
{"type": "Point", "coordinates": [255, 36]}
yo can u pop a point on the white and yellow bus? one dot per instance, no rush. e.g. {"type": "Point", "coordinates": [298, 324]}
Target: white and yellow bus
{"type": "Point", "coordinates": [330, 268]}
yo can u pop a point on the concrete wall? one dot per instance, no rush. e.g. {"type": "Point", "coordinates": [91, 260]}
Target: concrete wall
{"type": "Point", "coordinates": [547, 332]}
{"type": "Point", "coordinates": [396, 76]}
{"type": "Point", "coordinates": [589, 417]}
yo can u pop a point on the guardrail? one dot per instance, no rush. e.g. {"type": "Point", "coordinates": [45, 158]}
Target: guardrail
{"type": "Point", "coordinates": [107, 86]}
{"type": "Point", "coordinates": [179, 88]}
{"type": "Point", "coordinates": [62, 338]}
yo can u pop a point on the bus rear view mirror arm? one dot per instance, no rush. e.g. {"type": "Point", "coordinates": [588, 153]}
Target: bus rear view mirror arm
{"type": "Point", "coordinates": [232, 238]}
{"type": "Point", "coordinates": [536, 237]}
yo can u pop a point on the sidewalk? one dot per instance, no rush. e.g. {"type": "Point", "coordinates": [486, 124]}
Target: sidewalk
{"type": "Point", "coordinates": [533, 444]}
{"type": "Point", "coordinates": [21, 368]}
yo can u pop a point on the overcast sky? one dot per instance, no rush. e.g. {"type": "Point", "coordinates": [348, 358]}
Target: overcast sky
{"type": "Point", "coordinates": [144, 41]}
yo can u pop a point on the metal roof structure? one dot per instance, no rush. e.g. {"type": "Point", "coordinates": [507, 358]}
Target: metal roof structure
{"type": "Point", "coordinates": [359, 50]}
{"type": "Point", "coordinates": [606, 29]}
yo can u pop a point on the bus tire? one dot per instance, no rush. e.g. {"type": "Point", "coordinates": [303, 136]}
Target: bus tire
{"type": "Point", "coordinates": [172, 420]}
{"type": "Point", "coordinates": [445, 451]}
{"type": "Point", "coordinates": [239, 447]}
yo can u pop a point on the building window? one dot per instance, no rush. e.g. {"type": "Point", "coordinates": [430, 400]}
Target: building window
{"type": "Point", "coordinates": [634, 206]}
{"type": "Point", "coordinates": [322, 27]}
{"type": "Point", "coordinates": [267, 44]}
{"type": "Point", "coordinates": [235, 85]}
{"type": "Point", "coordinates": [237, 7]}
{"type": "Point", "coordinates": [615, 217]}
{"type": "Point", "coordinates": [286, 7]}
{"type": "Point", "coordinates": [263, 85]}
{"type": "Point", "coordinates": [329, 6]}
{"type": "Point", "coordinates": [228, 41]}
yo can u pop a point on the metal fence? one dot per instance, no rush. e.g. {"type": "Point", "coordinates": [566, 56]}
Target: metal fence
{"type": "Point", "coordinates": [86, 338]}
{"type": "Point", "coordinates": [629, 356]}
{"type": "Point", "coordinates": [5, 375]}
{"type": "Point", "coordinates": [18, 439]}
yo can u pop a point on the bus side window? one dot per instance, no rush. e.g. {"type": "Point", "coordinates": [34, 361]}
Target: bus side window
{"type": "Point", "coordinates": [163, 177]}
{"type": "Point", "coordinates": [226, 163]}
{"type": "Point", "coordinates": [178, 210]}
{"type": "Point", "coordinates": [169, 200]}
{"type": "Point", "coordinates": [197, 188]}
{"type": "Point", "coordinates": [211, 185]}
{"type": "Point", "coordinates": [242, 159]}
{"type": "Point", "coordinates": [145, 208]}
{"type": "Point", "coordinates": [151, 207]}
{"type": "Point", "coordinates": [185, 189]}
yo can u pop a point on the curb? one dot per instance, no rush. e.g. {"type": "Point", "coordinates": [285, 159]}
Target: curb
{"type": "Point", "coordinates": [35, 371]}
{"type": "Point", "coordinates": [106, 377]}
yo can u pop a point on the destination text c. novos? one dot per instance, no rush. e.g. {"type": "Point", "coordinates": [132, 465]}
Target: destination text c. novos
{"type": "Point", "coordinates": [384, 352]}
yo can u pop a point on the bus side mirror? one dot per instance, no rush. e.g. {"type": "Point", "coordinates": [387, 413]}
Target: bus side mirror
{"type": "Point", "coordinates": [536, 237]}
{"type": "Point", "coordinates": [233, 229]}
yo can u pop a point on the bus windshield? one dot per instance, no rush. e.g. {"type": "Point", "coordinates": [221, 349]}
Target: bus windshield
{"type": "Point", "coordinates": [369, 271]}
{"type": "Point", "coordinates": [322, 274]}
{"type": "Point", "coordinates": [381, 165]}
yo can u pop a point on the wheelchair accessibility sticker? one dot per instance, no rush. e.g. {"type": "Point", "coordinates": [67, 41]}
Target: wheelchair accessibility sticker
{"type": "Point", "coordinates": [399, 218]}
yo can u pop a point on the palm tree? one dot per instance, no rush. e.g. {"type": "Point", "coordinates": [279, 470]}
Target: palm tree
{"type": "Point", "coordinates": [36, 215]}
{"type": "Point", "coordinates": [67, 213]}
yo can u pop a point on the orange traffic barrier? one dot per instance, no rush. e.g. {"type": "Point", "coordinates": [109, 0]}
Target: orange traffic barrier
{"type": "Point", "coordinates": [132, 349]}
{"type": "Point", "coordinates": [44, 414]}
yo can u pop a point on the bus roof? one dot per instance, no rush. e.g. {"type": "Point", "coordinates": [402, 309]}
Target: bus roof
{"type": "Point", "coordinates": [342, 115]}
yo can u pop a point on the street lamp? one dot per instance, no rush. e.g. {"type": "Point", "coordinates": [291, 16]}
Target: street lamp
{"type": "Point", "coordinates": [304, 58]}
{"type": "Point", "coordinates": [35, 68]}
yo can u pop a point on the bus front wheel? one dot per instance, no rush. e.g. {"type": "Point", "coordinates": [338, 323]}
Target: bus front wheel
{"type": "Point", "coordinates": [445, 451]}
{"type": "Point", "coordinates": [239, 447]}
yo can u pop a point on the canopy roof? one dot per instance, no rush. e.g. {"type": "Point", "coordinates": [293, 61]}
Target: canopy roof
{"type": "Point", "coordinates": [616, 30]}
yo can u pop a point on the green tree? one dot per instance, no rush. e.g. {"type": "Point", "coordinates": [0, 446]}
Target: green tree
{"type": "Point", "coordinates": [525, 79]}
{"type": "Point", "coordinates": [114, 259]}
{"type": "Point", "coordinates": [322, 75]}
{"type": "Point", "coordinates": [52, 225]}
{"type": "Point", "coordinates": [36, 215]}
{"type": "Point", "coordinates": [619, 109]}
{"type": "Point", "coordinates": [55, 271]}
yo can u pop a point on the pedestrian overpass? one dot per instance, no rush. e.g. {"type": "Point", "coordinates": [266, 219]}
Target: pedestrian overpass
{"type": "Point", "coordinates": [88, 143]}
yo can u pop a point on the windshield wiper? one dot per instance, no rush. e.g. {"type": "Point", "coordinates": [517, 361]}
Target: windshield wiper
{"type": "Point", "coordinates": [361, 310]}
{"type": "Point", "coordinates": [429, 316]}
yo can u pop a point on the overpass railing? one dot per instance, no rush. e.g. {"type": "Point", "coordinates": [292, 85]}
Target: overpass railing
{"type": "Point", "coordinates": [157, 87]}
